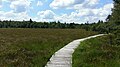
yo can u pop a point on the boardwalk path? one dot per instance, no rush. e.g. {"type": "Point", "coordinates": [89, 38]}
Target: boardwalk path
{"type": "Point", "coordinates": [63, 57]}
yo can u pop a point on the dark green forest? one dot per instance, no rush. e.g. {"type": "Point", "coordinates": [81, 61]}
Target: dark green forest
{"type": "Point", "coordinates": [34, 24]}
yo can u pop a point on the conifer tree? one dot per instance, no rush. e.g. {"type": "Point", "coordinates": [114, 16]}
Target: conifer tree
{"type": "Point", "coordinates": [115, 17]}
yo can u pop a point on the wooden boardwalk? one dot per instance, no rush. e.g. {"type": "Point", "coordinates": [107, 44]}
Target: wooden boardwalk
{"type": "Point", "coordinates": [63, 57]}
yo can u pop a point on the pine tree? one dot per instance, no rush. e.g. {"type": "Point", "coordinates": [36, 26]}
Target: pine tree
{"type": "Point", "coordinates": [115, 17]}
{"type": "Point", "coordinates": [114, 20]}
{"type": "Point", "coordinates": [31, 21]}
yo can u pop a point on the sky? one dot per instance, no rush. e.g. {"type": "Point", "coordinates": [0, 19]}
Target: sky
{"type": "Point", "coordinates": [69, 11]}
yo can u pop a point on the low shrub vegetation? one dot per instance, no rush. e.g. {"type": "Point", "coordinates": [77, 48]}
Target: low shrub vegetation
{"type": "Point", "coordinates": [33, 47]}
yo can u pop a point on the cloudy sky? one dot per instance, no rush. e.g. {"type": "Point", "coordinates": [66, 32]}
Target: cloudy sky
{"type": "Point", "coordinates": [78, 11]}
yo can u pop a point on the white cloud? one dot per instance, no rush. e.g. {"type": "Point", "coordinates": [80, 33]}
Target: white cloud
{"type": "Point", "coordinates": [47, 14]}
{"type": "Point", "coordinates": [14, 16]}
{"type": "Point", "coordinates": [18, 10]}
{"type": "Point", "coordinates": [68, 18]}
{"type": "Point", "coordinates": [16, 0]}
{"type": "Point", "coordinates": [64, 3]}
{"type": "Point", "coordinates": [8, 0]}
{"type": "Point", "coordinates": [91, 2]}
{"type": "Point", "coordinates": [39, 3]}
{"type": "Point", "coordinates": [83, 15]}
{"type": "Point", "coordinates": [0, 6]}
{"type": "Point", "coordinates": [0, 3]}
{"type": "Point", "coordinates": [70, 3]}
{"type": "Point", "coordinates": [103, 11]}
{"type": "Point", "coordinates": [20, 5]}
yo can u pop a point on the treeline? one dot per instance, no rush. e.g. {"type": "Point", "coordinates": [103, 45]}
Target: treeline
{"type": "Point", "coordinates": [100, 26]}
{"type": "Point", "coordinates": [33, 24]}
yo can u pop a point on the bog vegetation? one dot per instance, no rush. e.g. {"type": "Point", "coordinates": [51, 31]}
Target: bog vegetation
{"type": "Point", "coordinates": [33, 47]}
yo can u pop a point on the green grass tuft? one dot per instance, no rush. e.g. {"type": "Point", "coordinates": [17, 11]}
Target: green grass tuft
{"type": "Point", "coordinates": [97, 52]}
